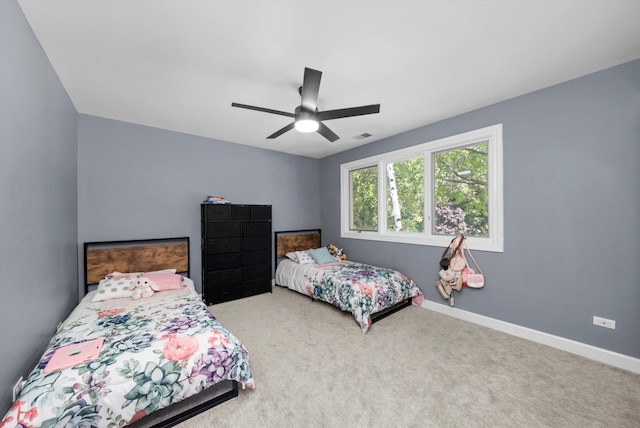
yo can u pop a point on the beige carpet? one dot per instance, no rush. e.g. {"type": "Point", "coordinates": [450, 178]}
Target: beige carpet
{"type": "Point", "coordinates": [314, 368]}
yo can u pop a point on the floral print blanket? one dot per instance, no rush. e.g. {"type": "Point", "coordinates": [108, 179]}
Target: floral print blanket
{"type": "Point", "coordinates": [360, 288]}
{"type": "Point", "coordinates": [157, 351]}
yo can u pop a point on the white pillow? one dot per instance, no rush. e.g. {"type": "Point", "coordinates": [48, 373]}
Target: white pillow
{"type": "Point", "coordinates": [189, 283]}
{"type": "Point", "coordinates": [117, 287]}
{"type": "Point", "coordinates": [304, 258]}
{"type": "Point", "coordinates": [292, 256]}
{"type": "Point", "coordinates": [138, 274]}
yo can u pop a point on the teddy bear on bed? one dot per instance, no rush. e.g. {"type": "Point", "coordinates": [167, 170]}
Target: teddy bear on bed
{"type": "Point", "coordinates": [336, 252]}
{"type": "Point", "coordinates": [143, 287]}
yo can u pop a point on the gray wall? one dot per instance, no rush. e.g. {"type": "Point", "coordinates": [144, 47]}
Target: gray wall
{"type": "Point", "coordinates": [571, 205]}
{"type": "Point", "coordinates": [38, 220]}
{"type": "Point", "coordinates": [572, 238]}
{"type": "Point", "coordinates": [136, 182]}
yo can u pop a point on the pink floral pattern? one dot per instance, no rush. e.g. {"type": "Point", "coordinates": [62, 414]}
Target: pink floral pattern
{"type": "Point", "coordinates": [110, 312]}
{"type": "Point", "coordinates": [180, 348]}
{"type": "Point", "coordinates": [361, 289]}
{"type": "Point", "coordinates": [158, 352]}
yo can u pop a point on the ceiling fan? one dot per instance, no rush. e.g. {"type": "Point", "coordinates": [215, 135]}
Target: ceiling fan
{"type": "Point", "coordinates": [306, 116]}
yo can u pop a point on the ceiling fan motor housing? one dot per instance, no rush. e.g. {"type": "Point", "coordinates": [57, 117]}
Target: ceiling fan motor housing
{"type": "Point", "coordinates": [305, 113]}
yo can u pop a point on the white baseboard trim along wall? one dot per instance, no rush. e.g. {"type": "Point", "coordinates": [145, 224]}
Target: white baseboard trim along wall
{"type": "Point", "coordinates": [615, 359]}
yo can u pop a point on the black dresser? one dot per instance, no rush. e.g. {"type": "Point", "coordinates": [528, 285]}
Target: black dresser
{"type": "Point", "coordinates": [236, 251]}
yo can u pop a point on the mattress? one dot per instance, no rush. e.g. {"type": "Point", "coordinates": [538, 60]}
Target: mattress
{"type": "Point", "coordinates": [157, 351]}
{"type": "Point", "coordinates": [354, 287]}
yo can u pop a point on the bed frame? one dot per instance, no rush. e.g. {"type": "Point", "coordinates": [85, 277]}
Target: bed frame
{"type": "Point", "coordinates": [296, 240]}
{"type": "Point", "coordinates": [300, 240]}
{"type": "Point", "coordinates": [144, 255]}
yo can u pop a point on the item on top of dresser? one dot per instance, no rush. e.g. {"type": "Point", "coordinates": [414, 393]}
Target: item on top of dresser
{"type": "Point", "coordinates": [216, 200]}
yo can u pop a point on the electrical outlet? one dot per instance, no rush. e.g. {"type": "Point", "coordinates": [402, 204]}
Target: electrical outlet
{"type": "Point", "coordinates": [17, 388]}
{"type": "Point", "coordinates": [603, 322]}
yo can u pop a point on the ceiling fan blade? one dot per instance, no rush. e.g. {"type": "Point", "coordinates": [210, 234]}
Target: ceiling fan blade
{"type": "Point", "coordinates": [278, 133]}
{"type": "Point", "coordinates": [310, 88]}
{"type": "Point", "coordinates": [327, 133]}
{"type": "Point", "coordinates": [348, 112]}
{"type": "Point", "coordinates": [262, 109]}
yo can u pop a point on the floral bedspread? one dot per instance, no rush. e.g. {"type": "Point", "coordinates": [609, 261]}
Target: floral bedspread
{"type": "Point", "coordinates": [361, 289]}
{"type": "Point", "coordinates": [157, 351]}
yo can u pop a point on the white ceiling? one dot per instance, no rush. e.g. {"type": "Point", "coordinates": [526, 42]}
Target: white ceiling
{"type": "Point", "coordinates": [178, 65]}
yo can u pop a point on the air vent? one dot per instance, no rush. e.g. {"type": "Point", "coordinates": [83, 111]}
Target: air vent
{"type": "Point", "coordinates": [363, 136]}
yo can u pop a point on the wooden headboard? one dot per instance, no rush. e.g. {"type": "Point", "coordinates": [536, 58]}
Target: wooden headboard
{"type": "Point", "coordinates": [143, 255]}
{"type": "Point", "coordinates": [296, 240]}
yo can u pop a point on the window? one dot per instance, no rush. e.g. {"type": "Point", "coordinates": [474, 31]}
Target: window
{"type": "Point", "coordinates": [364, 199]}
{"type": "Point", "coordinates": [405, 195]}
{"type": "Point", "coordinates": [461, 194]}
{"type": "Point", "coordinates": [428, 193]}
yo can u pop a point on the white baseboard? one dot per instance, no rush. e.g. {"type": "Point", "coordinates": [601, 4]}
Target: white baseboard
{"type": "Point", "coordinates": [615, 359]}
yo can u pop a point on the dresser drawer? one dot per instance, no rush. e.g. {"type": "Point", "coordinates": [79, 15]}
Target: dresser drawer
{"type": "Point", "coordinates": [223, 293]}
{"type": "Point", "coordinates": [251, 243]}
{"type": "Point", "coordinates": [261, 212]}
{"type": "Point", "coordinates": [222, 261]}
{"type": "Point", "coordinates": [256, 228]}
{"type": "Point", "coordinates": [256, 257]}
{"type": "Point", "coordinates": [216, 212]}
{"type": "Point", "coordinates": [223, 229]}
{"type": "Point", "coordinates": [240, 212]}
{"type": "Point", "coordinates": [223, 277]}
{"type": "Point", "coordinates": [250, 288]}
{"type": "Point", "coordinates": [223, 245]}
{"type": "Point", "coordinates": [256, 272]}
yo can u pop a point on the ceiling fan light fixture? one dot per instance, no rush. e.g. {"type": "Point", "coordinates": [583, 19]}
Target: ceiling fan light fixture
{"type": "Point", "coordinates": [306, 122]}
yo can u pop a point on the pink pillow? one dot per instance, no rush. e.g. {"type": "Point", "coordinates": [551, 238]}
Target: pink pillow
{"type": "Point", "coordinates": [167, 281]}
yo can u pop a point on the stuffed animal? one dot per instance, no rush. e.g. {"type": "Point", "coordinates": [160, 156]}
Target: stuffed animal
{"type": "Point", "coordinates": [143, 287]}
{"type": "Point", "coordinates": [336, 252]}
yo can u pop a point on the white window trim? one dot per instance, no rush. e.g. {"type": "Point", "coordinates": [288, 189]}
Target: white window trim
{"type": "Point", "coordinates": [495, 242]}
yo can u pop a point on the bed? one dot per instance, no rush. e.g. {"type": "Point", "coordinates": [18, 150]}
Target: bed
{"type": "Point", "coordinates": [368, 292]}
{"type": "Point", "coordinates": [164, 358]}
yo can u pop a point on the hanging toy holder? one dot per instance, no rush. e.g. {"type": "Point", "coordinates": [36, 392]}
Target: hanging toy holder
{"type": "Point", "coordinates": [452, 263]}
